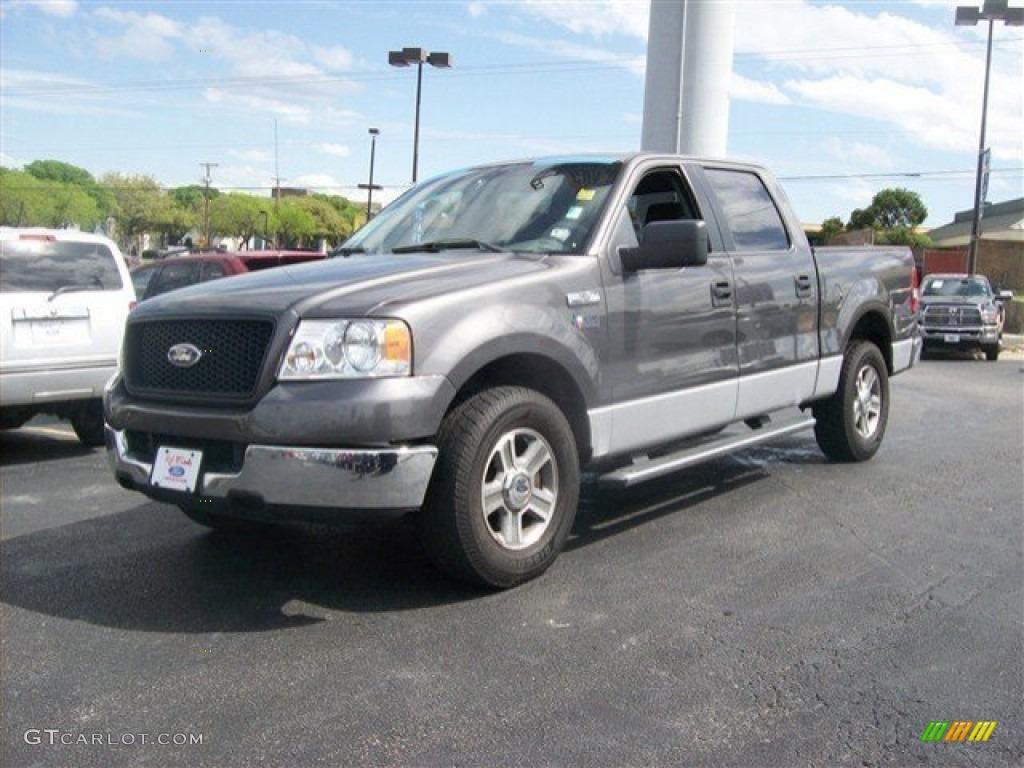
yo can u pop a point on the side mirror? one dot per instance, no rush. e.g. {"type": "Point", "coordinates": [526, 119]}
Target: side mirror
{"type": "Point", "coordinates": [1004, 296]}
{"type": "Point", "coordinates": [668, 245]}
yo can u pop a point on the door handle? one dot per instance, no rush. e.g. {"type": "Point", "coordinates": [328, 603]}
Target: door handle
{"type": "Point", "coordinates": [804, 286]}
{"type": "Point", "coordinates": [721, 293]}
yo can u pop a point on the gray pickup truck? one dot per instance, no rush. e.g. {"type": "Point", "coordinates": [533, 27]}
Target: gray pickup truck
{"type": "Point", "coordinates": [962, 311]}
{"type": "Point", "coordinates": [496, 334]}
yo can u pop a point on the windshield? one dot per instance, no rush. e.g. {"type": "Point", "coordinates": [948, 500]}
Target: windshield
{"type": "Point", "coordinates": [956, 286]}
{"type": "Point", "coordinates": [543, 207]}
{"type": "Point", "coordinates": [52, 265]}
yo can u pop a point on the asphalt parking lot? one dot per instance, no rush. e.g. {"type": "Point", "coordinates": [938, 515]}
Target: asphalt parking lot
{"type": "Point", "coordinates": [768, 609]}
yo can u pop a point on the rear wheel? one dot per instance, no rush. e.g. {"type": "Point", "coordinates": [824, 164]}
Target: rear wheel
{"type": "Point", "coordinates": [504, 493]}
{"type": "Point", "coordinates": [87, 422]}
{"type": "Point", "coordinates": [850, 424]}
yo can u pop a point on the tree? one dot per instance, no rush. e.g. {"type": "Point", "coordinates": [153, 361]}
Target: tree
{"type": "Point", "coordinates": [236, 214]}
{"type": "Point", "coordinates": [293, 224]}
{"type": "Point", "coordinates": [831, 228]}
{"type": "Point", "coordinates": [328, 221]}
{"type": "Point", "coordinates": [139, 204]}
{"type": "Point", "coordinates": [891, 208]}
{"type": "Point", "coordinates": [29, 201]}
{"type": "Point", "coordinates": [66, 173]}
{"type": "Point", "coordinates": [897, 207]}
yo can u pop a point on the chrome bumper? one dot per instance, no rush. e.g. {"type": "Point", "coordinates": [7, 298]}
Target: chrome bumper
{"type": "Point", "coordinates": [278, 476]}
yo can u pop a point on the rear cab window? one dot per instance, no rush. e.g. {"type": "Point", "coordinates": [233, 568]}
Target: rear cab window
{"type": "Point", "coordinates": [45, 266]}
{"type": "Point", "coordinates": [750, 212]}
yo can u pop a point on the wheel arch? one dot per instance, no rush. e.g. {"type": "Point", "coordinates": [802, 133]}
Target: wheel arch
{"type": "Point", "coordinates": [542, 374]}
{"type": "Point", "coordinates": [872, 325]}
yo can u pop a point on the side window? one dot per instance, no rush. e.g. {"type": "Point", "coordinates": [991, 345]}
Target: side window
{"type": "Point", "coordinates": [173, 276]}
{"type": "Point", "coordinates": [750, 212]}
{"type": "Point", "coordinates": [211, 271]}
{"type": "Point", "coordinates": [660, 196]}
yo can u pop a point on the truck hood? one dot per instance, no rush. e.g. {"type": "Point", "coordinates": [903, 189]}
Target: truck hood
{"type": "Point", "coordinates": [354, 285]}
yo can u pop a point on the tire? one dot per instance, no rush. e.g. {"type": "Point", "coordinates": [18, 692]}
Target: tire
{"type": "Point", "coordinates": [504, 492]}
{"type": "Point", "coordinates": [991, 351]}
{"type": "Point", "coordinates": [87, 422]}
{"type": "Point", "coordinates": [850, 425]}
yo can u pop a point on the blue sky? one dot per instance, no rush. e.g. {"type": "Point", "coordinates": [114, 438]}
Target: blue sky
{"type": "Point", "coordinates": [839, 99]}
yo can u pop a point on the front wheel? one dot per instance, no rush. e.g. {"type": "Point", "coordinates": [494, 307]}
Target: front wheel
{"type": "Point", "coordinates": [991, 351]}
{"type": "Point", "coordinates": [850, 424]}
{"type": "Point", "coordinates": [504, 492]}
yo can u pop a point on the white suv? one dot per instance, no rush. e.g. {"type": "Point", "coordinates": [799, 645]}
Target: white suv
{"type": "Point", "coordinates": [64, 298]}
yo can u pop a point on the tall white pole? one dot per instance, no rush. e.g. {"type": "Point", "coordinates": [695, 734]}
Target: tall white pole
{"type": "Point", "coordinates": [689, 65]}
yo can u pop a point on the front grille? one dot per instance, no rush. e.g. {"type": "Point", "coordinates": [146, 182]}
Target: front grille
{"type": "Point", "coordinates": [952, 316]}
{"type": "Point", "coordinates": [232, 356]}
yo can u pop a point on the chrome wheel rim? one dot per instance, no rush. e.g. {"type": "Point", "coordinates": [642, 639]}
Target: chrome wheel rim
{"type": "Point", "coordinates": [520, 489]}
{"type": "Point", "coordinates": [867, 402]}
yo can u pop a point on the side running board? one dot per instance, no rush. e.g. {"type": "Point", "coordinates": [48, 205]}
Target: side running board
{"type": "Point", "coordinates": [721, 444]}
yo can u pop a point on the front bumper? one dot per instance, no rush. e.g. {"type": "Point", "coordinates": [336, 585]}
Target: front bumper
{"type": "Point", "coordinates": [961, 336]}
{"type": "Point", "coordinates": [281, 483]}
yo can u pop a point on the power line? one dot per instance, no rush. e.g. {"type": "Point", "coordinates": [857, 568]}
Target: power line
{"type": "Point", "coordinates": [523, 68]}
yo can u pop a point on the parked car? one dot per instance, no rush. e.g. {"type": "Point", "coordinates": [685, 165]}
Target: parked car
{"type": "Point", "coordinates": [962, 311]}
{"type": "Point", "coordinates": [624, 317]}
{"type": "Point", "coordinates": [178, 271]}
{"type": "Point", "coordinates": [64, 297]}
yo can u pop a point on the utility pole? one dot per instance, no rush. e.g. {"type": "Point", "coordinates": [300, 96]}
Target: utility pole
{"type": "Point", "coordinates": [206, 203]}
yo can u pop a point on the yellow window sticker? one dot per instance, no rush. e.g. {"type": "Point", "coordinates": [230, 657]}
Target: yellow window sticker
{"type": "Point", "coordinates": [585, 195]}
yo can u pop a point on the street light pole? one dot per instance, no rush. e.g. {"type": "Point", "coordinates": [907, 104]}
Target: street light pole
{"type": "Point", "coordinates": [418, 56]}
{"type": "Point", "coordinates": [374, 132]}
{"type": "Point", "coordinates": [969, 16]}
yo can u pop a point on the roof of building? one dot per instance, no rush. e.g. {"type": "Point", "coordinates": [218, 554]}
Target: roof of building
{"type": "Point", "coordinates": [999, 221]}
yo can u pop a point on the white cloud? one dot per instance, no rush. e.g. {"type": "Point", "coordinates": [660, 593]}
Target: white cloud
{"type": "Point", "coordinates": [60, 8]}
{"type": "Point", "coordinates": [744, 89]}
{"type": "Point", "coordinates": [318, 182]}
{"type": "Point", "coordinates": [596, 19]}
{"type": "Point", "coordinates": [857, 155]}
{"type": "Point", "coordinates": [250, 155]}
{"type": "Point", "coordinates": [150, 36]}
{"type": "Point", "coordinates": [476, 10]}
{"type": "Point", "coordinates": [335, 59]}
{"type": "Point", "coordinates": [287, 111]}
{"type": "Point", "coordinates": [338, 150]}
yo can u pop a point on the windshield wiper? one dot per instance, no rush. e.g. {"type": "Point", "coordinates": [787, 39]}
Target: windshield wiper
{"type": "Point", "coordinates": [71, 289]}
{"type": "Point", "coordinates": [346, 252]}
{"type": "Point", "coordinates": [436, 246]}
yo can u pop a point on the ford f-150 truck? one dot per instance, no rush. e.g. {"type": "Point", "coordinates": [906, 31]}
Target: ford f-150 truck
{"type": "Point", "coordinates": [495, 333]}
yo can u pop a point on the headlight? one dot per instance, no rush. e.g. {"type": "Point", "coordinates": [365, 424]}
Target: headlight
{"type": "Point", "coordinates": [990, 315]}
{"type": "Point", "coordinates": [348, 349]}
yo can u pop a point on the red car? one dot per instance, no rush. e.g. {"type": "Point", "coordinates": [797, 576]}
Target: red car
{"type": "Point", "coordinates": [173, 272]}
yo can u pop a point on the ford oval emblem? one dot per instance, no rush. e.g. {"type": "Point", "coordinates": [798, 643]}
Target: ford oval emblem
{"type": "Point", "coordinates": [183, 355]}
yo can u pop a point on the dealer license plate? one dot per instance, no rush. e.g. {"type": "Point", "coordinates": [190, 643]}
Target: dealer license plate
{"type": "Point", "coordinates": [176, 468]}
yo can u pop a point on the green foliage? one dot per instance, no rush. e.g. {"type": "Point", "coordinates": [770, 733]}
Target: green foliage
{"type": "Point", "coordinates": [903, 236]}
{"type": "Point", "coordinates": [830, 228]}
{"type": "Point", "coordinates": [898, 208]}
{"type": "Point", "coordinates": [58, 194]}
{"type": "Point", "coordinates": [139, 204]}
{"type": "Point", "coordinates": [892, 208]}
{"type": "Point", "coordinates": [66, 173]}
{"type": "Point", "coordinates": [27, 200]}
{"type": "Point", "coordinates": [293, 224]}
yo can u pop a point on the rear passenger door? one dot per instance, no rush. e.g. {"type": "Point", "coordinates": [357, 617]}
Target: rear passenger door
{"type": "Point", "coordinates": [776, 289]}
